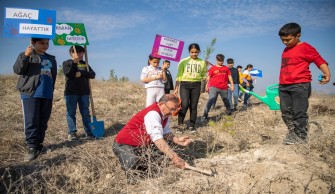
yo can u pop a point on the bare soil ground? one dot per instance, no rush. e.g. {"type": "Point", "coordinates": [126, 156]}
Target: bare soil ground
{"type": "Point", "coordinates": [244, 150]}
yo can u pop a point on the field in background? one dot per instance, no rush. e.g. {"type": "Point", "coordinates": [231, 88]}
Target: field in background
{"type": "Point", "coordinates": [245, 149]}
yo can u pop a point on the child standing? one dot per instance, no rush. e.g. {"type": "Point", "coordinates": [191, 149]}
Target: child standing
{"type": "Point", "coordinates": [239, 68]}
{"type": "Point", "coordinates": [218, 76]}
{"type": "Point", "coordinates": [169, 81]}
{"type": "Point", "coordinates": [233, 94]}
{"type": "Point", "coordinates": [247, 82]}
{"type": "Point", "coordinates": [154, 79]}
{"type": "Point", "coordinates": [77, 91]}
{"type": "Point", "coordinates": [36, 84]}
{"type": "Point", "coordinates": [295, 81]}
{"type": "Point", "coordinates": [191, 71]}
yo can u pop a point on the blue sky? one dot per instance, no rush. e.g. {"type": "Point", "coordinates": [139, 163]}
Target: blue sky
{"type": "Point", "coordinates": [121, 32]}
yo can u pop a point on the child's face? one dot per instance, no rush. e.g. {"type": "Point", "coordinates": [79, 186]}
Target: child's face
{"type": "Point", "coordinates": [290, 41]}
{"type": "Point", "coordinates": [166, 65]}
{"type": "Point", "coordinates": [220, 63]}
{"type": "Point", "coordinates": [239, 69]}
{"type": "Point", "coordinates": [194, 53]}
{"type": "Point", "coordinates": [41, 46]}
{"type": "Point", "coordinates": [154, 62]}
{"type": "Point", "coordinates": [80, 55]}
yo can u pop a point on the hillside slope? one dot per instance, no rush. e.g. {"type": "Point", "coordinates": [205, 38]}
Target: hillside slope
{"type": "Point", "coordinates": [244, 150]}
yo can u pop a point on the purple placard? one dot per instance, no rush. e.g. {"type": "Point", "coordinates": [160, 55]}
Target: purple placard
{"type": "Point", "coordinates": [167, 48]}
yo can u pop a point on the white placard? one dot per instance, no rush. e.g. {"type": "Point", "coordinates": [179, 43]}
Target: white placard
{"type": "Point", "coordinates": [35, 29]}
{"type": "Point", "coordinates": [170, 42]}
{"type": "Point", "coordinates": [27, 14]}
{"type": "Point", "coordinates": [167, 52]}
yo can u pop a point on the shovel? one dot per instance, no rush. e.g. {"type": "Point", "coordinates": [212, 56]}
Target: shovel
{"type": "Point", "coordinates": [97, 127]}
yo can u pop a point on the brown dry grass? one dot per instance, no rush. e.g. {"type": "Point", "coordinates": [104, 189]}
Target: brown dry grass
{"type": "Point", "coordinates": [245, 150]}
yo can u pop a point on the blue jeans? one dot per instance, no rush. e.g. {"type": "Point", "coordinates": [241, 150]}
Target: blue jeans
{"type": "Point", "coordinates": [246, 96]}
{"type": "Point", "coordinates": [233, 94]}
{"type": "Point", "coordinates": [294, 106]}
{"type": "Point", "coordinates": [71, 102]}
{"type": "Point", "coordinates": [213, 93]}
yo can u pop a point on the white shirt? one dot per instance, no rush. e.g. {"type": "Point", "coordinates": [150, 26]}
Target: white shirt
{"type": "Point", "coordinates": [153, 126]}
{"type": "Point", "coordinates": [150, 71]}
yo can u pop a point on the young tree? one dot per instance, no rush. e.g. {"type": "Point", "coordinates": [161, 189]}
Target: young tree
{"type": "Point", "coordinates": [112, 75]}
{"type": "Point", "coordinates": [209, 50]}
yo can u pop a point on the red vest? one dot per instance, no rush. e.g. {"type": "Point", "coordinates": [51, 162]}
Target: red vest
{"type": "Point", "coordinates": [134, 132]}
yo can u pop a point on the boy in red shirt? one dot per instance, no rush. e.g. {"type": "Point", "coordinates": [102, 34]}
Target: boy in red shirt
{"type": "Point", "coordinates": [218, 77]}
{"type": "Point", "coordinates": [295, 82]}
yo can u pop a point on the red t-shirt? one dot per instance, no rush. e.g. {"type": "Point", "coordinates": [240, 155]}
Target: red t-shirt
{"type": "Point", "coordinates": [295, 64]}
{"type": "Point", "coordinates": [219, 77]}
{"type": "Point", "coordinates": [134, 132]}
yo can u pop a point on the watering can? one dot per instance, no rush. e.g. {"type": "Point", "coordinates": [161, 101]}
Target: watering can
{"type": "Point", "coordinates": [271, 99]}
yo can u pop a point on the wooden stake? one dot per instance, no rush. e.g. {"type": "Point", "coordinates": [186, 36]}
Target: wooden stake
{"type": "Point", "coordinates": [89, 82]}
{"type": "Point", "coordinates": [206, 172]}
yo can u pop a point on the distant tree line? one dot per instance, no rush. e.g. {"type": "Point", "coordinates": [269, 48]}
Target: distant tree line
{"type": "Point", "coordinates": [112, 75]}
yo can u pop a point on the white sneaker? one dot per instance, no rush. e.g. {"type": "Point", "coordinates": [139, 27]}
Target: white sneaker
{"type": "Point", "coordinates": [193, 129]}
{"type": "Point", "coordinates": [72, 136]}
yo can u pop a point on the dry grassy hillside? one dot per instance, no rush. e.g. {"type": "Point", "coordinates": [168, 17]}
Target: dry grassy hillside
{"type": "Point", "coordinates": [245, 149]}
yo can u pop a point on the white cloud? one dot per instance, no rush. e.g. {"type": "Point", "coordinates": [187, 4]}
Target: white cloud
{"type": "Point", "coordinates": [100, 26]}
{"type": "Point", "coordinates": [207, 18]}
{"type": "Point", "coordinates": [231, 18]}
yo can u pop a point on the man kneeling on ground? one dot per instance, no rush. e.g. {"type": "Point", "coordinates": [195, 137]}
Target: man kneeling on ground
{"type": "Point", "coordinates": [149, 129]}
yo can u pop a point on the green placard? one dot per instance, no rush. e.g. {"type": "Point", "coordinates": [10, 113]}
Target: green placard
{"type": "Point", "coordinates": [70, 34]}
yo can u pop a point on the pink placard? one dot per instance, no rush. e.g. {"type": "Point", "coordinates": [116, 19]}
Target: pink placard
{"type": "Point", "coordinates": [167, 48]}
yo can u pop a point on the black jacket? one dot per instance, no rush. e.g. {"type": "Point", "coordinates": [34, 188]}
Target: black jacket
{"type": "Point", "coordinates": [29, 69]}
{"type": "Point", "coordinates": [235, 75]}
{"type": "Point", "coordinates": [168, 85]}
{"type": "Point", "coordinates": [77, 85]}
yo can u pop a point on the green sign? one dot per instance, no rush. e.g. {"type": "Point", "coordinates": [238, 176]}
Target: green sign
{"type": "Point", "coordinates": [70, 34]}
